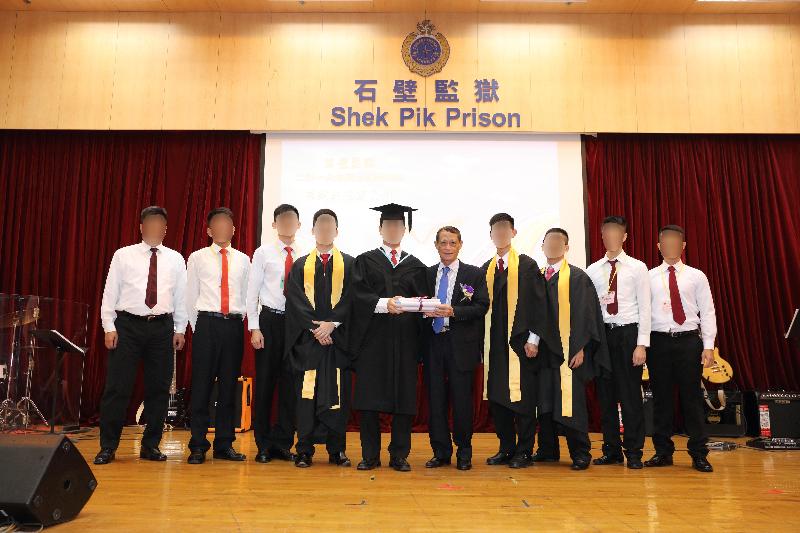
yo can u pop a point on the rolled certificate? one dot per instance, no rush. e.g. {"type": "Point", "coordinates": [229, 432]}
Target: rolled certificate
{"type": "Point", "coordinates": [418, 305]}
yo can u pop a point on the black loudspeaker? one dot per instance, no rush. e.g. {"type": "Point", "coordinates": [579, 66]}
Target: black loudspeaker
{"type": "Point", "coordinates": [44, 479]}
{"type": "Point", "coordinates": [773, 414]}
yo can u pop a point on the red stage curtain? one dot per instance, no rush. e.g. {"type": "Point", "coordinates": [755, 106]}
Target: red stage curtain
{"type": "Point", "coordinates": [69, 199]}
{"type": "Point", "coordinates": [737, 197]}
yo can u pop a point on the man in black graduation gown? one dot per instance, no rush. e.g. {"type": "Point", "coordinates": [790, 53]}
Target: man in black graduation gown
{"type": "Point", "coordinates": [573, 305]}
{"type": "Point", "coordinates": [386, 340]}
{"type": "Point", "coordinates": [516, 289]}
{"type": "Point", "coordinates": [452, 348]}
{"type": "Point", "coordinates": [317, 305]}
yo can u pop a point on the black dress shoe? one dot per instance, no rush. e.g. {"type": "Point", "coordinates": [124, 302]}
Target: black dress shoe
{"type": "Point", "coordinates": [197, 457]}
{"type": "Point", "coordinates": [701, 464]}
{"type": "Point", "coordinates": [635, 464]}
{"type": "Point", "coordinates": [302, 460]}
{"type": "Point", "coordinates": [400, 464]}
{"type": "Point", "coordinates": [263, 457]}
{"type": "Point", "coordinates": [281, 454]}
{"type": "Point", "coordinates": [151, 454]}
{"type": "Point", "coordinates": [608, 460]}
{"type": "Point", "coordinates": [229, 454]}
{"type": "Point", "coordinates": [521, 461]}
{"type": "Point", "coordinates": [104, 456]}
{"type": "Point", "coordinates": [580, 465]}
{"type": "Point", "coordinates": [463, 464]}
{"type": "Point", "coordinates": [368, 464]}
{"type": "Point", "coordinates": [659, 460]}
{"type": "Point", "coordinates": [539, 457]}
{"type": "Point", "coordinates": [500, 458]}
{"type": "Point", "coordinates": [436, 462]}
{"type": "Point", "coordinates": [339, 459]}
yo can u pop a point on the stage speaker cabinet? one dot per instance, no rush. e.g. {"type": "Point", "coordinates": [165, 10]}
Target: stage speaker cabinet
{"type": "Point", "coordinates": [773, 414]}
{"type": "Point", "coordinates": [242, 410]}
{"type": "Point", "coordinates": [724, 414]}
{"type": "Point", "coordinates": [45, 479]}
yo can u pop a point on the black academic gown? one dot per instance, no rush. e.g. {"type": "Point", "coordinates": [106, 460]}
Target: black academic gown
{"type": "Point", "coordinates": [530, 315]}
{"type": "Point", "coordinates": [302, 349]}
{"type": "Point", "coordinates": [587, 332]}
{"type": "Point", "coordinates": [386, 346]}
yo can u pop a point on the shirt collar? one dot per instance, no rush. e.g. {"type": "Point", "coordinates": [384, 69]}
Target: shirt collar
{"type": "Point", "coordinates": [664, 265]}
{"type": "Point", "coordinates": [453, 266]}
{"type": "Point", "coordinates": [557, 266]}
{"type": "Point", "coordinates": [146, 247]}
{"type": "Point", "coordinates": [319, 254]}
{"type": "Point", "coordinates": [216, 248]}
{"type": "Point", "coordinates": [388, 251]}
{"type": "Point", "coordinates": [280, 245]}
{"type": "Point", "coordinates": [504, 257]}
{"type": "Point", "coordinates": [622, 257]}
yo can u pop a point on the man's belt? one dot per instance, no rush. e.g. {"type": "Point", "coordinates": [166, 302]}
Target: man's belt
{"type": "Point", "coordinates": [272, 310]}
{"type": "Point", "coordinates": [145, 318]}
{"type": "Point", "coordinates": [229, 316]}
{"type": "Point", "coordinates": [694, 332]}
{"type": "Point", "coordinates": [610, 325]}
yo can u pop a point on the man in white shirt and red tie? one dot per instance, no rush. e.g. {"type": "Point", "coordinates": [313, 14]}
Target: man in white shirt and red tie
{"type": "Point", "coordinates": [266, 305]}
{"type": "Point", "coordinates": [682, 343]}
{"type": "Point", "coordinates": [216, 292]}
{"type": "Point", "coordinates": [623, 286]}
{"type": "Point", "coordinates": [144, 317]}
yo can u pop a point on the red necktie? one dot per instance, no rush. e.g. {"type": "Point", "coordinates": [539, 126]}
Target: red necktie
{"type": "Point", "coordinates": [151, 294]}
{"type": "Point", "coordinates": [324, 258]}
{"type": "Point", "coordinates": [678, 314]}
{"type": "Point", "coordinates": [613, 307]}
{"type": "Point", "coordinates": [224, 289]}
{"type": "Point", "coordinates": [500, 264]}
{"type": "Point", "coordinates": [287, 267]}
{"type": "Point", "coordinates": [394, 257]}
{"type": "Point", "coordinates": [549, 273]}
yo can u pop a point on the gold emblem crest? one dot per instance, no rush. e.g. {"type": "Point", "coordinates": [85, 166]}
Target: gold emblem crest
{"type": "Point", "coordinates": [425, 52]}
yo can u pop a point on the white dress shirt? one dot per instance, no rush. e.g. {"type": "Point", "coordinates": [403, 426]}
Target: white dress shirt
{"type": "Point", "coordinates": [633, 292]}
{"type": "Point", "coordinates": [204, 282]}
{"type": "Point", "coordinates": [698, 304]}
{"type": "Point", "coordinates": [451, 284]}
{"type": "Point", "coordinates": [265, 285]}
{"type": "Point", "coordinates": [383, 304]}
{"type": "Point", "coordinates": [126, 285]}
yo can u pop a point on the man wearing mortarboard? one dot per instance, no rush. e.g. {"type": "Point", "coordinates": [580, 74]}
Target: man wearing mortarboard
{"type": "Point", "coordinates": [385, 340]}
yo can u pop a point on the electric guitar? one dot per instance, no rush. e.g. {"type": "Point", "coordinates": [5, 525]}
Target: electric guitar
{"type": "Point", "coordinates": [719, 372]}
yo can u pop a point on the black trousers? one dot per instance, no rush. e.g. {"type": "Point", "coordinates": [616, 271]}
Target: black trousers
{"type": "Point", "coordinates": [330, 426]}
{"type": "Point", "coordinates": [272, 371]}
{"type": "Point", "coordinates": [577, 441]}
{"type": "Point", "coordinates": [517, 432]}
{"type": "Point", "coordinates": [440, 370]}
{"type": "Point", "coordinates": [400, 445]}
{"type": "Point", "coordinates": [150, 342]}
{"type": "Point", "coordinates": [624, 386]}
{"type": "Point", "coordinates": [216, 355]}
{"type": "Point", "coordinates": [675, 361]}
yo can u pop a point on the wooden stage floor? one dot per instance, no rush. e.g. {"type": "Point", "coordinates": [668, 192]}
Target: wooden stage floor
{"type": "Point", "coordinates": [750, 490]}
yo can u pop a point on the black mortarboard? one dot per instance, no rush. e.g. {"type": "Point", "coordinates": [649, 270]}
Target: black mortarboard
{"type": "Point", "coordinates": [395, 212]}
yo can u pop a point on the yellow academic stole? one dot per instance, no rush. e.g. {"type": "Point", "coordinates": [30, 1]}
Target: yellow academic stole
{"type": "Point", "coordinates": [514, 386]}
{"type": "Point", "coordinates": [337, 284]}
{"type": "Point", "coordinates": [564, 314]}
